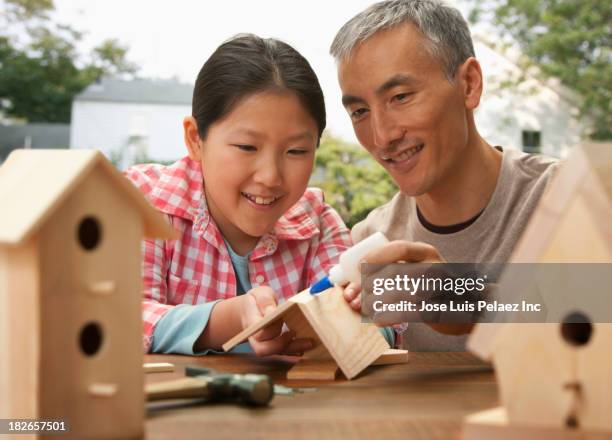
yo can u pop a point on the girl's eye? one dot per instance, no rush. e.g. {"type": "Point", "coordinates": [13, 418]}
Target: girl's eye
{"type": "Point", "coordinates": [298, 151]}
{"type": "Point", "coordinates": [245, 147]}
{"type": "Point", "coordinates": [357, 114]}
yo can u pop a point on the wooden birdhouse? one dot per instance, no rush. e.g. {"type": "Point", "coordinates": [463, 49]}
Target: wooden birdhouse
{"type": "Point", "coordinates": [555, 379]}
{"type": "Point", "coordinates": [70, 292]}
{"type": "Point", "coordinates": [340, 339]}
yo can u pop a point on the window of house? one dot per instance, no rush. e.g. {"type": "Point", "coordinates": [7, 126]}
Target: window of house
{"type": "Point", "coordinates": [532, 141]}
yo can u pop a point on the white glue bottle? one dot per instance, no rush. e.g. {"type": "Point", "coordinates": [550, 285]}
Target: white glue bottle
{"type": "Point", "coordinates": [347, 269]}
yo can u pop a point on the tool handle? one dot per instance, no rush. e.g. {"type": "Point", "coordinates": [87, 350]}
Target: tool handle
{"type": "Point", "coordinates": [186, 387]}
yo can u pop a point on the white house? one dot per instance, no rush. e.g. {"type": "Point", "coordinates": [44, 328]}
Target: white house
{"type": "Point", "coordinates": [131, 121]}
{"type": "Point", "coordinates": [535, 116]}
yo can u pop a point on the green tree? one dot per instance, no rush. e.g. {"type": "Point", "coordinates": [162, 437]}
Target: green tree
{"type": "Point", "coordinates": [567, 39]}
{"type": "Point", "coordinates": [353, 182]}
{"type": "Point", "coordinates": [40, 68]}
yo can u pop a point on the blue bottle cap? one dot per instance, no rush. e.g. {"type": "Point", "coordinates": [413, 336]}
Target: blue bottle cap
{"type": "Point", "coordinates": [320, 286]}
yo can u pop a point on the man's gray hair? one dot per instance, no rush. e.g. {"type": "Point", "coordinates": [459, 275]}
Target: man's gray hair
{"type": "Point", "coordinates": [443, 26]}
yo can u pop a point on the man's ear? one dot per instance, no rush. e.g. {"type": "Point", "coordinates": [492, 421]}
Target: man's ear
{"type": "Point", "coordinates": [192, 138]}
{"type": "Point", "coordinates": [470, 78]}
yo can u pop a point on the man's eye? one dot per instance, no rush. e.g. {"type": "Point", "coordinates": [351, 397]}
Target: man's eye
{"type": "Point", "coordinates": [400, 97]}
{"type": "Point", "coordinates": [245, 147]}
{"type": "Point", "coordinates": [356, 114]}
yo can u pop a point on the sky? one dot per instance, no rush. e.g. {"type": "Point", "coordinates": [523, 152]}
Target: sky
{"type": "Point", "coordinates": [173, 38]}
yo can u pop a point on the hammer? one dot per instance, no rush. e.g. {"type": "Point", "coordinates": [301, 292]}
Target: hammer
{"type": "Point", "coordinates": [211, 386]}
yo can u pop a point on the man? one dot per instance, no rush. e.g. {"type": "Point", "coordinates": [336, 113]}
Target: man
{"type": "Point", "coordinates": [410, 83]}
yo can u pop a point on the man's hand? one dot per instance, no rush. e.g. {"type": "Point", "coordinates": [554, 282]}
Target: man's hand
{"type": "Point", "coordinates": [401, 251]}
{"type": "Point", "coordinates": [257, 303]}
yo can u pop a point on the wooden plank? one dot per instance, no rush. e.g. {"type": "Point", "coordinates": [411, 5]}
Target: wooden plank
{"type": "Point", "coordinates": [21, 320]}
{"type": "Point", "coordinates": [313, 369]}
{"type": "Point", "coordinates": [272, 317]}
{"type": "Point", "coordinates": [157, 367]}
{"type": "Point", "coordinates": [392, 356]}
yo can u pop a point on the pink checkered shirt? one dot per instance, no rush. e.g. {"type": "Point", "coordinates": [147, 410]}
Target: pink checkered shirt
{"type": "Point", "coordinates": [197, 268]}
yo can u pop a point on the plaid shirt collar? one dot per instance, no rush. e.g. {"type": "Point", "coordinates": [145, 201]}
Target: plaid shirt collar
{"type": "Point", "coordinates": [186, 200]}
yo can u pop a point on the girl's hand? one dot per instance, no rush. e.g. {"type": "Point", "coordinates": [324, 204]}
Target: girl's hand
{"type": "Point", "coordinates": [257, 303]}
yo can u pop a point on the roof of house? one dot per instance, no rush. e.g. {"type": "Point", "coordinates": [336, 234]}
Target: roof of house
{"type": "Point", "coordinates": [587, 159]}
{"type": "Point", "coordinates": [599, 156]}
{"type": "Point", "coordinates": [41, 135]}
{"type": "Point", "coordinates": [27, 203]}
{"type": "Point", "coordinates": [138, 90]}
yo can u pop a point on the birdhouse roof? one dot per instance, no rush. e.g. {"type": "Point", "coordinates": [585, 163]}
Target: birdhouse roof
{"type": "Point", "coordinates": [33, 184]}
{"type": "Point", "coordinates": [587, 164]}
{"type": "Point", "coordinates": [599, 157]}
{"type": "Point", "coordinates": [588, 168]}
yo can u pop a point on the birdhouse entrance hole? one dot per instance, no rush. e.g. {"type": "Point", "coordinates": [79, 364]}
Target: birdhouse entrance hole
{"type": "Point", "coordinates": [89, 233]}
{"type": "Point", "coordinates": [90, 339]}
{"type": "Point", "coordinates": [576, 329]}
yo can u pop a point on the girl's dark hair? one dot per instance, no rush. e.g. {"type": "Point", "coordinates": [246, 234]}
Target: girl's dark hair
{"type": "Point", "coordinates": [248, 64]}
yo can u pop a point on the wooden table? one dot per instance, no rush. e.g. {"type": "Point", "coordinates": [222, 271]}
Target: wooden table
{"type": "Point", "coordinates": [424, 399]}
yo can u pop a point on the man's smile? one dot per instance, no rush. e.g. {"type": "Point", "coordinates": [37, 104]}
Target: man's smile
{"type": "Point", "coordinates": [402, 155]}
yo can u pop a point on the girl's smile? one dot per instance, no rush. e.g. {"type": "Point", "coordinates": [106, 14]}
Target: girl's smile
{"type": "Point", "coordinates": [260, 202]}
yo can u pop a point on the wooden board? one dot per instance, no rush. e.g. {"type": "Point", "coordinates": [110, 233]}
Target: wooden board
{"type": "Point", "coordinates": [313, 369]}
{"type": "Point", "coordinates": [493, 424]}
{"type": "Point", "coordinates": [254, 328]}
{"type": "Point", "coordinates": [20, 316]}
{"type": "Point", "coordinates": [157, 367]}
{"type": "Point", "coordinates": [392, 356]}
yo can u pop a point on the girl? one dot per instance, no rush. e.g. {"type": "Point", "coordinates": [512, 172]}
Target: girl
{"type": "Point", "coordinates": [251, 233]}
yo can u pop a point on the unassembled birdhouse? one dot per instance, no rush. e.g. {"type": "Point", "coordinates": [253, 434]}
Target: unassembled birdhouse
{"type": "Point", "coordinates": [71, 330]}
{"type": "Point", "coordinates": [340, 339]}
{"type": "Point", "coordinates": [555, 380]}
